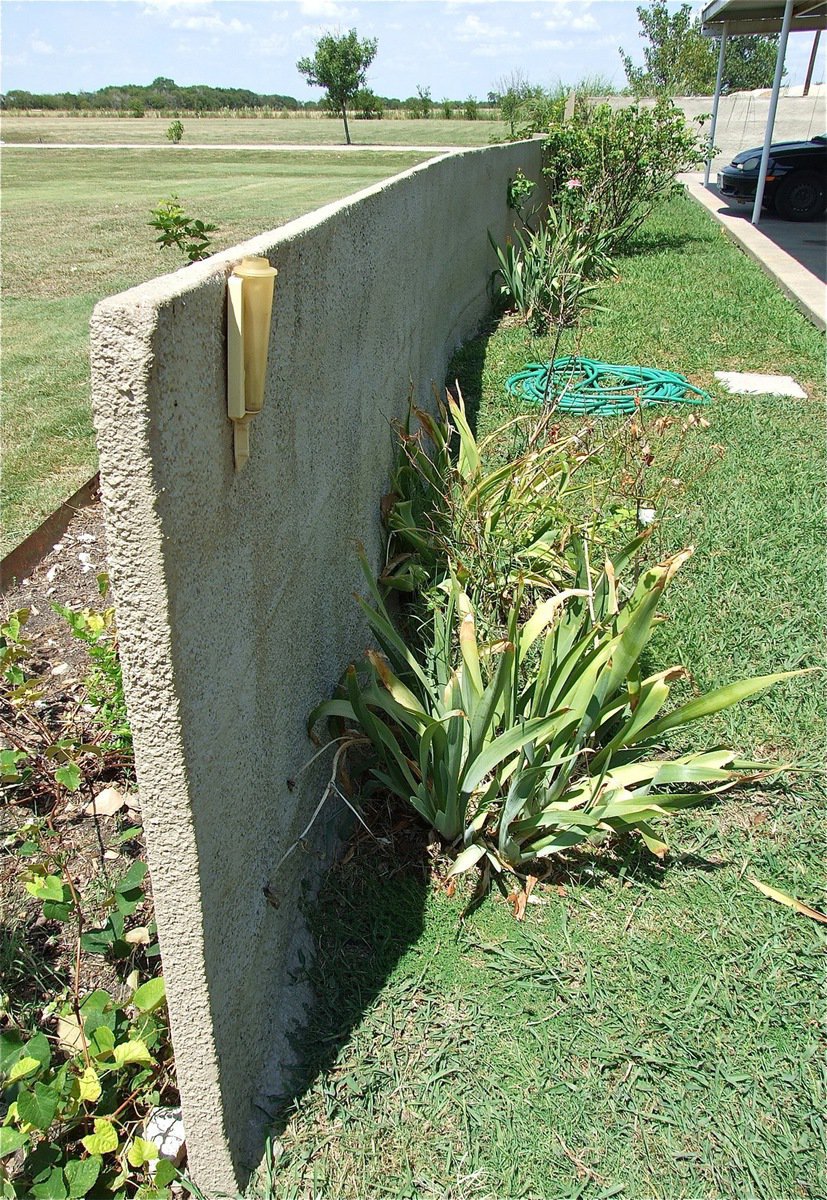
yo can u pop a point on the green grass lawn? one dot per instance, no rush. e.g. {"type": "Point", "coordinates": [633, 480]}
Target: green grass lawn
{"type": "Point", "coordinates": [309, 130]}
{"type": "Point", "coordinates": [75, 230]}
{"type": "Point", "coordinates": [651, 1029]}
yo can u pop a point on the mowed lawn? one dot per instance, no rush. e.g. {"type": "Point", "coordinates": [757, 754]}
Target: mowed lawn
{"type": "Point", "coordinates": [200, 131]}
{"type": "Point", "coordinates": [650, 1031]}
{"type": "Point", "coordinates": [75, 229]}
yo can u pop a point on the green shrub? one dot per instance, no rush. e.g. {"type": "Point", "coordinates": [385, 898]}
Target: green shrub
{"type": "Point", "coordinates": [551, 274]}
{"type": "Point", "coordinates": [104, 684]}
{"type": "Point", "coordinates": [175, 131]}
{"type": "Point", "coordinates": [508, 704]}
{"type": "Point", "coordinates": [190, 236]}
{"type": "Point", "coordinates": [498, 529]}
{"type": "Point", "coordinates": [49, 756]}
{"type": "Point", "coordinates": [611, 168]}
{"type": "Point", "coordinates": [74, 1107]}
{"type": "Point", "coordinates": [74, 1098]}
{"type": "Point", "coordinates": [521, 748]}
{"type": "Point", "coordinates": [367, 106]}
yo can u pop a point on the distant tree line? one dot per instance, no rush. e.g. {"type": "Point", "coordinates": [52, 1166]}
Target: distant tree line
{"type": "Point", "coordinates": [164, 96]}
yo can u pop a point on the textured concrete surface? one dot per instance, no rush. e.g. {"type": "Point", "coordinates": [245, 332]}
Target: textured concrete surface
{"type": "Point", "coordinates": [792, 253]}
{"type": "Point", "coordinates": [234, 590]}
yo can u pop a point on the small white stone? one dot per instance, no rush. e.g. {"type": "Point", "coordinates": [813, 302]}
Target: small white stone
{"type": "Point", "coordinates": [164, 1127]}
{"type": "Point", "coordinates": [86, 537]}
{"type": "Point", "coordinates": [50, 574]}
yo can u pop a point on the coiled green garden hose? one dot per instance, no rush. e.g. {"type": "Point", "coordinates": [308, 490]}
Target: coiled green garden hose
{"type": "Point", "coordinates": [587, 387]}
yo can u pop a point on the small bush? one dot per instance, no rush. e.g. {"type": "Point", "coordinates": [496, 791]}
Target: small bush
{"type": "Point", "coordinates": [367, 106]}
{"type": "Point", "coordinates": [175, 132]}
{"type": "Point", "coordinates": [623, 163]}
{"type": "Point", "coordinates": [501, 529]}
{"type": "Point", "coordinates": [508, 703]}
{"type": "Point", "coordinates": [551, 274]}
{"type": "Point", "coordinates": [186, 234]}
{"type": "Point", "coordinates": [520, 748]}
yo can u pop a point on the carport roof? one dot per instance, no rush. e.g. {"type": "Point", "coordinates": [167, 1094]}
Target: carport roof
{"type": "Point", "coordinates": [761, 16]}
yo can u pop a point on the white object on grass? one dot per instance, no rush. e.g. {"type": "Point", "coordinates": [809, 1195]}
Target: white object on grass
{"type": "Point", "coordinates": [748, 383]}
{"type": "Point", "coordinates": [165, 1129]}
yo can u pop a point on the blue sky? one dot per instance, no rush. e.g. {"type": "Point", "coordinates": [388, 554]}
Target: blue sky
{"type": "Point", "coordinates": [455, 47]}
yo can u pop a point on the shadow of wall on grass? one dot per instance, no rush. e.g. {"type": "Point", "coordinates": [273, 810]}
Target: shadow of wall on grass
{"type": "Point", "coordinates": [367, 913]}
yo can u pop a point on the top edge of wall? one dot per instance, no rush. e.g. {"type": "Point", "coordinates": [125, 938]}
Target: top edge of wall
{"type": "Point", "coordinates": [164, 288]}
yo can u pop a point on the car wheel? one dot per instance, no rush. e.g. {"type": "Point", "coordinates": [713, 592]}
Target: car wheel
{"type": "Point", "coordinates": [801, 196]}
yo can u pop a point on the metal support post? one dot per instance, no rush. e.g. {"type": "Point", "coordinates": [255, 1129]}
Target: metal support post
{"type": "Point", "coordinates": [718, 81]}
{"type": "Point", "coordinates": [776, 87]}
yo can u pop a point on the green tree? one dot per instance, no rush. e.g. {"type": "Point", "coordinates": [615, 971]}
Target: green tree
{"type": "Point", "coordinates": [426, 104]}
{"type": "Point", "coordinates": [749, 62]}
{"type": "Point", "coordinates": [339, 66]}
{"type": "Point", "coordinates": [512, 92]}
{"type": "Point", "coordinates": [680, 61]}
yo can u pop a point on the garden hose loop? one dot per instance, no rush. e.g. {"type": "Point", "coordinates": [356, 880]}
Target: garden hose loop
{"type": "Point", "coordinates": [588, 387]}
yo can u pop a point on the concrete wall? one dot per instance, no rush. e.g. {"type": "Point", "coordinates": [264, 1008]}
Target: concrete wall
{"type": "Point", "coordinates": [742, 119]}
{"type": "Point", "coordinates": [234, 590]}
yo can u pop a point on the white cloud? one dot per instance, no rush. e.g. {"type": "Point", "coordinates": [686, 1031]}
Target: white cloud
{"type": "Point", "coordinates": [276, 44]}
{"type": "Point", "coordinates": [210, 24]}
{"type": "Point", "coordinates": [555, 44]}
{"type": "Point", "coordinates": [562, 15]}
{"type": "Point", "coordinates": [324, 10]}
{"type": "Point", "coordinates": [312, 33]}
{"type": "Point", "coordinates": [41, 47]}
{"type": "Point", "coordinates": [161, 7]}
{"type": "Point", "coordinates": [474, 29]}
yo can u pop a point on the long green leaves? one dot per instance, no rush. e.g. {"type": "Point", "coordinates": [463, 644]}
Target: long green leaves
{"type": "Point", "coordinates": [550, 275]}
{"type": "Point", "coordinates": [496, 528]}
{"type": "Point", "coordinates": [509, 706]}
{"type": "Point", "coordinates": [522, 748]}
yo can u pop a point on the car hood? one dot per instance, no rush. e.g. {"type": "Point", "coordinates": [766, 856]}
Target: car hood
{"type": "Point", "coordinates": [778, 148]}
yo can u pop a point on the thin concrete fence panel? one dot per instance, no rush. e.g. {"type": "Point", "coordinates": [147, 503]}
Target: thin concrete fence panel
{"type": "Point", "coordinates": [234, 588]}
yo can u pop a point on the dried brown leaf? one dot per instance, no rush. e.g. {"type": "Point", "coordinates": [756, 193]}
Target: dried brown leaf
{"type": "Point", "coordinates": [789, 901]}
{"type": "Point", "coordinates": [69, 1035]}
{"type": "Point", "coordinates": [106, 803]}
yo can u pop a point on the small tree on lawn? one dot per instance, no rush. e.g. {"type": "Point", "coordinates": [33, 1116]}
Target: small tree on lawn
{"type": "Point", "coordinates": [340, 66]}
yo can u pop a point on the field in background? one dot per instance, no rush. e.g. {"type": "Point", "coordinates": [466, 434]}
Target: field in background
{"type": "Point", "coordinates": [307, 130]}
{"type": "Point", "coordinates": [75, 230]}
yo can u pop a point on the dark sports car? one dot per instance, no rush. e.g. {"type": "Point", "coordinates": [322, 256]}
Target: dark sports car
{"type": "Point", "coordinates": [796, 186]}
